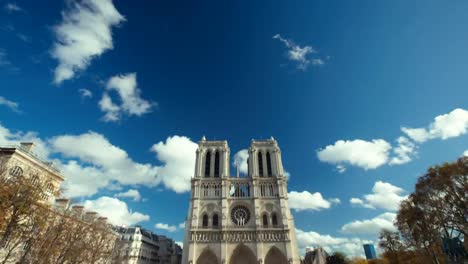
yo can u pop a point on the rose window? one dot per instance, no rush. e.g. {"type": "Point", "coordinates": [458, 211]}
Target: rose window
{"type": "Point", "coordinates": [240, 215]}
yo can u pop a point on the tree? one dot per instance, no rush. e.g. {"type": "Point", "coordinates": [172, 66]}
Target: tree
{"type": "Point", "coordinates": [435, 213]}
{"type": "Point", "coordinates": [391, 245]}
{"type": "Point", "coordinates": [32, 231]}
{"type": "Point", "coordinates": [21, 205]}
{"type": "Point", "coordinates": [337, 258]}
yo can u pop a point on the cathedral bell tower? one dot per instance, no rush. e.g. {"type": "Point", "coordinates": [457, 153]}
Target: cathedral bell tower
{"type": "Point", "coordinates": [239, 220]}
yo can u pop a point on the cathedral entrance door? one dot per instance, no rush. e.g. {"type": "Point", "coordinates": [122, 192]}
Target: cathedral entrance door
{"type": "Point", "coordinates": [275, 256]}
{"type": "Point", "coordinates": [243, 255]}
{"type": "Point", "coordinates": [207, 257]}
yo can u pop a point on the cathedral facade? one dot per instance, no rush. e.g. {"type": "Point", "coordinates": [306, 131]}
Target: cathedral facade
{"type": "Point", "coordinates": [239, 220]}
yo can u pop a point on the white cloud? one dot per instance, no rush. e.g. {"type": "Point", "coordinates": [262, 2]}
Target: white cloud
{"type": "Point", "coordinates": [357, 201]}
{"type": "Point", "coordinates": [115, 210]}
{"type": "Point", "coordinates": [8, 137]}
{"type": "Point", "coordinates": [299, 54]}
{"type": "Point", "coordinates": [178, 156]}
{"type": "Point", "coordinates": [384, 195]}
{"type": "Point", "coordinates": [90, 162]}
{"type": "Point", "coordinates": [131, 193]}
{"type": "Point", "coordinates": [349, 246]}
{"type": "Point", "coordinates": [240, 159]}
{"type": "Point", "coordinates": [166, 227]}
{"type": "Point", "coordinates": [84, 34]}
{"type": "Point", "coordinates": [335, 200]}
{"type": "Point", "coordinates": [465, 153]}
{"type": "Point", "coordinates": [14, 106]}
{"type": "Point", "coordinates": [404, 151]}
{"type": "Point", "coordinates": [101, 163]}
{"type": "Point", "coordinates": [85, 93]}
{"type": "Point", "coordinates": [361, 153]}
{"type": "Point", "coordinates": [444, 126]}
{"type": "Point", "coordinates": [129, 96]}
{"type": "Point", "coordinates": [182, 225]}
{"type": "Point", "coordinates": [371, 226]}
{"type": "Point", "coordinates": [112, 110]}
{"type": "Point", "coordinates": [305, 200]}
{"type": "Point", "coordinates": [13, 7]}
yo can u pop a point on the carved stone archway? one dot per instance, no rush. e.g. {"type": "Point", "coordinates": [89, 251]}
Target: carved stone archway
{"type": "Point", "coordinates": [275, 256]}
{"type": "Point", "coordinates": [242, 255]}
{"type": "Point", "coordinates": [207, 257]}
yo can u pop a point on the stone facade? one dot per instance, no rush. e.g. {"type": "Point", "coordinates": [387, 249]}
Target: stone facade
{"type": "Point", "coordinates": [141, 246]}
{"type": "Point", "coordinates": [239, 219]}
{"type": "Point", "coordinates": [20, 160]}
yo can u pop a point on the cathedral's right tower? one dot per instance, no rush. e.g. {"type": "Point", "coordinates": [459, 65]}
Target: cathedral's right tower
{"type": "Point", "coordinates": [239, 220]}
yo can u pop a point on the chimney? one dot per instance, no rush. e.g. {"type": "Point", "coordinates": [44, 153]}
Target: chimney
{"type": "Point", "coordinates": [91, 216]}
{"type": "Point", "coordinates": [27, 145]}
{"type": "Point", "coordinates": [78, 210]}
{"type": "Point", "coordinates": [62, 203]}
{"type": "Point", "coordinates": [102, 220]}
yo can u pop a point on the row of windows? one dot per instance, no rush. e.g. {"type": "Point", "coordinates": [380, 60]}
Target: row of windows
{"type": "Point", "coordinates": [208, 164]}
{"type": "Point", "coordinates": [260, 165]}
{"type": "Point", "coordinates": [214, 223]}
{"type": "Point", "coordinates": [215, 220]}
{"type": "Point", "coordinates": [274, 219]}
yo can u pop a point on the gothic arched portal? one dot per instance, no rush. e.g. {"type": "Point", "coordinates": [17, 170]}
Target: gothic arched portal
{"type": "Point", "coordinates": [242, 255]}
{"type": "Point", "coordinates": [207, 257]}
{"type": "Point", "coordinates": [275, 256]}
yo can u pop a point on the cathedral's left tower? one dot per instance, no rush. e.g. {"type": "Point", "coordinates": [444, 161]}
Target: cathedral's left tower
{"type": "Point", "coordinates": [206, 201]}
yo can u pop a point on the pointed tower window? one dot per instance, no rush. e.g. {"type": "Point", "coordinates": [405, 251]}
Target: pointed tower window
{"type": "Point", "coordinates": [274, 219]}
{"type": "Point", "coordinates": [205, 220]}
{"type": "Point", "coordinates": [216, 172]}
{"type": "Point", "coordinates": [265, 220]}
{"type": "Point", "coordinates": [268, 164]}
{"type": "Point", "coordinates": [207, 164]}
{"type": "Point", "coordinates": [215, 220]}
{"type": "Point", "coordinates": [260, 164]}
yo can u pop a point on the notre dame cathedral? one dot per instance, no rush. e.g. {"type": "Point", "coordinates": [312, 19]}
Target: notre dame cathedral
{"type": "Point", "coordinates": [239, 220]}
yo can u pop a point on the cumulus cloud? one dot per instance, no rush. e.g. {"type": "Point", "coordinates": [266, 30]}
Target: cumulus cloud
{"type": "Point", "coordinates": [465, 153]}
{"type": "Point", "coordinates": [13, 7]}
{"type": "Point", "coordinates": [131, 193]}
{"type": "Point", "coordinates": [98, 164]}
{"type": "Point", "coordinates": [85, 93]}
{"type": "Point", "coordinates": [13, 106]}
{"type": "Point", "coordinates": [444, 126]}
{"type": "Point", "coordinates": [115, 210]}
{"type": "Point", "coordinates": [129, 95]}
{"type": "Point", "coordinates": [178, 156]}
{"type": "Point", "coordinates": [240, 159]}
{"type": "Point", "coordinates": [371, 226]}
{"type": "Point", "coordinates": [8, 137]}
{"type": "Point", "coordinates": [360, 153]}
{"type": "Point", "coordinates": [112, 110]}
{"type": "Point", "coordinates": [384, 196]}
{"type": "Point", "coordinates": [305, 200]}
{"type": "Point", "coordinates": [84, 33]}
{"type": "Point", "coordinates": [90, 162]}
{"type": "Point", "coordinates": [403, 152]}
{"type": "Point", "coordinates": [349, 246]}
{"type": "Point", "coordinates": [299, 54]}
{"type": "Point", "coordinates": [182, 225]}
{"type": "Point", "coordinates": [166, 227]}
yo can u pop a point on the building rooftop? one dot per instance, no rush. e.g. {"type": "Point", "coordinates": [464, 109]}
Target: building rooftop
{"type": "Point", "coordinates": [25, 148]}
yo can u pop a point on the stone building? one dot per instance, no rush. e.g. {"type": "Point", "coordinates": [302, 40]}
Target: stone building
{"type": "Point", "coordinates": [141, 246]}
{"type": "Point", "coordinates": [239, 219]}
{"type": "Point", "coordinates": [20, 160]}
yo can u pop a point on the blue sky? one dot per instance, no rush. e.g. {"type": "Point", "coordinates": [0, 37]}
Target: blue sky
{"type": "Point", "coordinates": [362, 97]}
